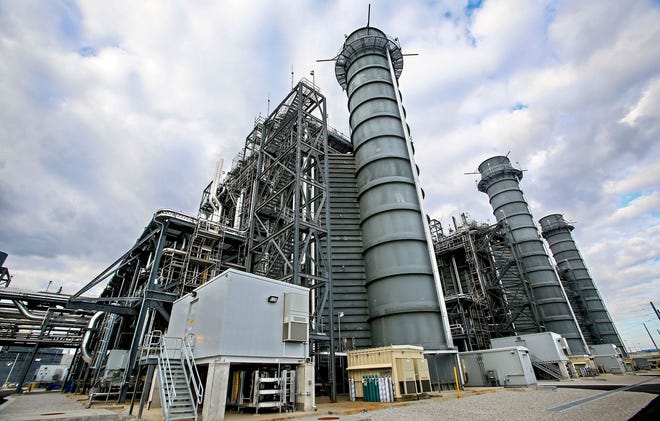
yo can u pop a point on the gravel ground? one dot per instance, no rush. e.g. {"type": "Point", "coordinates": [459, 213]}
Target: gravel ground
{"type": "Point", "coordinates": [519, 404]}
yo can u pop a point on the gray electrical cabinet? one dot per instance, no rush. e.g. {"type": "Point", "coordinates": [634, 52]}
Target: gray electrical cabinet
{"type": "Point", "coordinates": [546, 346]}
{"type": "Point", "coordinates": [242, 317]}
{"type": "Point", "coordinates": [509, 367]}
{"type": "Point", "coordinates": [608, 357]}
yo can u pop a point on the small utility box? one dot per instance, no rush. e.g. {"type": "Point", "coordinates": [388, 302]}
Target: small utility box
{"type": "Point", "coordinates": [51, 373]}
{"type": "Point", "coordinates": [404, 364]}
{"type": "Point", "coordinates": [242, 317]}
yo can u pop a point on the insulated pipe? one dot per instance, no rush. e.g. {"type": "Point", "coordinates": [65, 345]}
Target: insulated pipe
{"type": "Point", "coordinates": [213, 198]}
{"type": "Point", "coordinates": [405, 302]}
{"type": "Point", "coordinates": [26, 313]}
{"type": "Point", "coordinates": [557, 233]}
{"type": "Point", "coordinates": [85, 353]}
{"type": "Point", "coordinates": [501, 181]}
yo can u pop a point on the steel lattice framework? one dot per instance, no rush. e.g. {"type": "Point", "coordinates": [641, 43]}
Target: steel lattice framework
{"type": "Point", "coordinates": [289, 230]}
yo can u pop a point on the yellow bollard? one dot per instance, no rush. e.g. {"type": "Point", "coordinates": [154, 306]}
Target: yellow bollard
{"type": "Point", "coordinates": [458, 388]}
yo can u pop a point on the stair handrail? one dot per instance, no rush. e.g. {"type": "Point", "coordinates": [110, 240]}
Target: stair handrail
{"type": "Point", "coordinates": [196, 380]}
{"type": "Point", "coordinates": [165, 367]}
{"type": "Point", "coordinates": [149, 347]}
{"type": "Point", "coordinates": [544, 365]}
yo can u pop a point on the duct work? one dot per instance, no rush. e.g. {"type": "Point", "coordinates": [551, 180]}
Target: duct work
{"type": "Point", "coordinates": [588, 306]}
{"type": "Point", "coordinates": [501, 182]}
{"type": "Point", "coordinates": [406, 305]}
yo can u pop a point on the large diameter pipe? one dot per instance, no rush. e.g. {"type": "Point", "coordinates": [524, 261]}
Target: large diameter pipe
{"type": "Point", "coordinates": [501, 181]}
{"type": "Point", "coordinates": [405, 304]}
{"type": "Point", "coordinates": [91, 327]}
{"type": "Point", "coordinates": [582, 293]}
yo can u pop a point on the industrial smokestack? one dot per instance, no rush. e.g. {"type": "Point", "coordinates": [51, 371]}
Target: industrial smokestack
{"type": "Point", "coordinates": [501, 181]}
{"type": "Point", "coordinates": [582, 293]}
{"type": "Point", "coordinates": [406, 305]}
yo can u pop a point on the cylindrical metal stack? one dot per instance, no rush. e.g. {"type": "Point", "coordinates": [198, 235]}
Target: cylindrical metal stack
{"type": "Point", "coordinates": [501, 181]}
{"type": "Point", "coordinates": [404, 302]}
{"type": "Point", "coordinates": [582, 293]}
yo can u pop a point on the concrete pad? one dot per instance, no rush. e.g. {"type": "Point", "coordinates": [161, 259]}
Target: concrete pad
{"type": "Point", "coordinates": [50, 406]}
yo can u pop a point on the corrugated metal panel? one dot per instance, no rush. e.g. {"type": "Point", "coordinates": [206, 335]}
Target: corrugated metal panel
{"type": "Point", "coordinates": [350, 295]}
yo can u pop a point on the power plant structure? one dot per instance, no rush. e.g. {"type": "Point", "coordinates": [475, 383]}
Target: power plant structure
{"type": "Point", "coordinates": [499, 281]}
{"type": "Point", "coordinates": [316, 247]}
{"type": "Point", "coordinates": [500, 180]}
{"type": "Point", "coordinates": [583, 296]}
{"type": "Point", "coordinates": [406, 304]}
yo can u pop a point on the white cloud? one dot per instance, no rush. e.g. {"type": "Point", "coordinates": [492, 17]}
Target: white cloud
{"type": "Point", "coordinates": [641, 205]}
{"type": "Point", "coordinates": [111, 111]}
{"type": "Point", "coordinates": [647, 106]}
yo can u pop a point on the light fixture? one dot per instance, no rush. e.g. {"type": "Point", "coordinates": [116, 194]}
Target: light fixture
{"type": "Point", "coordinates": [273, 299]}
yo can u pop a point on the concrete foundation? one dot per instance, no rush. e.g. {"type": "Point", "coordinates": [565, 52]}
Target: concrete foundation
{"type": "Point", "coordinates": [215, 392]}
{"type": "Point", "coordinates": [305, 397]}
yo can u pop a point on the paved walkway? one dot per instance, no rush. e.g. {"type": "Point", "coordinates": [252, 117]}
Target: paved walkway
{"type": "Point", "coordinates": [57, 406]}
{"type": "Point", "coordinates": [50, 406]}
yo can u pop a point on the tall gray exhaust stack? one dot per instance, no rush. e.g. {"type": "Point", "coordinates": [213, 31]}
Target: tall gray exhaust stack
{"type": "Point", "coordinates": [588, 306]}
{"type": "Point", "coordinates": [501, 181]}
{"type": "Point", "coordinates": [406, 305]}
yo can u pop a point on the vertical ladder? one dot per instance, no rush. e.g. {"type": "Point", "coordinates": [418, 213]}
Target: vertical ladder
{"type": "Point", "coordinates": [288, 394]}
{"type": "Point", "coordinates": [106, 334]}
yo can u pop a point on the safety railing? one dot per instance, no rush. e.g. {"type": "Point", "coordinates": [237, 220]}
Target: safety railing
{"type": "Point", "coordinates": [166, 349]}
{"type": "Point", "coordinates": [195, 379]}
{"type": "Point", "coordinates": [546, 366]}
{"type": "Point", "coordinates": [154, 347]}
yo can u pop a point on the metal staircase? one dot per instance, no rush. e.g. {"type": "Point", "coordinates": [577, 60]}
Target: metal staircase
{"type": "Point", "coordinates": [518, 301]}
{"type": "Point", "coordinates": [181, 389]}
{"type": "Point", "coordinates": [546, 367]}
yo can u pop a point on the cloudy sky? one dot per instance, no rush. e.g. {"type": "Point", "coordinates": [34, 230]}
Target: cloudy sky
{"type": "Point", "coordinates": [112, 110]}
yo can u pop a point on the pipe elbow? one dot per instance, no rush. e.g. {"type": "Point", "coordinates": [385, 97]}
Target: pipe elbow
{"type": "Point", "coordinates": [91, 326]}
{"type": "Point", "coordinates": [25, 312]}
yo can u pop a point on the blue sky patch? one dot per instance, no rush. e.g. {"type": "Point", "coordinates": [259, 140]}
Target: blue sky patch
{"type": "Point", "coordinates": [550, 12]}
{"type": "Point", "coordinates": [473, 5]}
{"type": "Point", "coordinates": [519, 106]}
{"type": "Point", "coordinates": [626, 199]}
{"type": "Point", "coordinates": [87, 51]}
{"type": "Point", "coordinates": [69, 19]}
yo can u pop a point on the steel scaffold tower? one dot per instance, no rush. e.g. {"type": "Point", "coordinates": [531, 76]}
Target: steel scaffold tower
{"type": "Point", "coordinates": [486, 291]}
{"type": "Point", "coordinates": [289, 232]}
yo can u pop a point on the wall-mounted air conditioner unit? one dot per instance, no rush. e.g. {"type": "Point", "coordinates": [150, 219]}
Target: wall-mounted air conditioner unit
{"type": "Point", "coordinates": [296, 318]}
